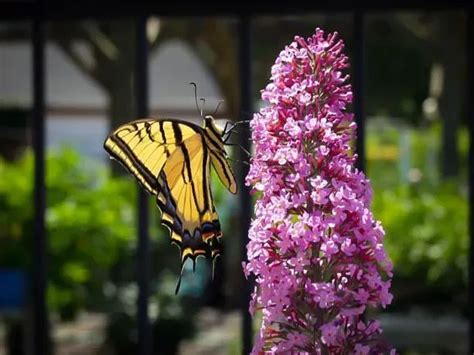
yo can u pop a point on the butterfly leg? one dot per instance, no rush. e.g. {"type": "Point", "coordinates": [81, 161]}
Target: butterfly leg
{"type": "Point", "coordinates": [240, 146]}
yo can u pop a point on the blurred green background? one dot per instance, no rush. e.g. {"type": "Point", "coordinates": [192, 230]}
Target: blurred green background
{"type": "Point", "coordinates": [416, 145]}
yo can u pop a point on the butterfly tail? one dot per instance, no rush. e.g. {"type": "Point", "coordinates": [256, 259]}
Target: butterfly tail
{"type": "Point", "coordinates": [178, 283]}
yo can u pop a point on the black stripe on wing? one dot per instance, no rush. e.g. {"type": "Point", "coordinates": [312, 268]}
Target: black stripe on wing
{"type": "Point", "coordinates": [136, 163]}
{"type": "Point", "coordinates": [202, 238]}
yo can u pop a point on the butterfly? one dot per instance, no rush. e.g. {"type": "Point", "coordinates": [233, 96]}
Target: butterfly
{"type": "Point", "coordinates": [172, 160]}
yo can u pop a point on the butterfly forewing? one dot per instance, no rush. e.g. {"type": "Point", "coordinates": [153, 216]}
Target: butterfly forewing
{"type": "Point", "coordinates": [144, 146]}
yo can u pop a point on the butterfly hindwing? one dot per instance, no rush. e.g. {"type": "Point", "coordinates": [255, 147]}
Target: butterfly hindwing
{"type": "Point", "coordinates": [185, 200]}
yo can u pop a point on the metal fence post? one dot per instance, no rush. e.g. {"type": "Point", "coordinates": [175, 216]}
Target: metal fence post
{"type": "Point", "coordinates": [245, 65]}
{"type": "Point", "coordinates": [41, 341]}
{"type": "Point", "coordinates": [143, 251]}
{"type": "Point", "coordinates": [470, 118]}
{"type": "Point", "coordinates": [359, 86]}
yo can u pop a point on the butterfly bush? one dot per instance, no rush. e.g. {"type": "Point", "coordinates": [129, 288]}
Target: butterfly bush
{"type": "Point", "coordinates": [315, 249]}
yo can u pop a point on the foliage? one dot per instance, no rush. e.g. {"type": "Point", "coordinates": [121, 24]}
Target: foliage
{"type": "Point", "coordinates": [91, 233]}
{"type": "Point", "coordinates": [90, 223]}
{"type": "Point", "coordinates": [425, 218]}
{"type": "Point", "coordinates": [427, 242]}
{"type": "Point", "coordinates": [428, 233]}
{"type": "Point", "coordinates": [171, 320]}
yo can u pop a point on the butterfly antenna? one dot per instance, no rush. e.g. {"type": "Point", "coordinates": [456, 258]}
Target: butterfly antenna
{"type": "Point", "coordinates": [217, 108]}
{"type": "Point", "coordinates": [202, 107]}
{"type": "Point", "coordinates": [196, 97]}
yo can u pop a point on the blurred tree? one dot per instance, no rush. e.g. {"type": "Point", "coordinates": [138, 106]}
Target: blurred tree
{"type": "Point", "coordinates": [110, 61]}
{"type": "Point", "coordinates": [214, 40]}
{"type": "Point", "coordinates": [104, 52]}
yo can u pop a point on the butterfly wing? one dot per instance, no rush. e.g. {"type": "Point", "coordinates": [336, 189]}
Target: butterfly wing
{"type": "Point", "coordinates": [144, 146]}
{"type": "Point", "coordinates": [219, 156]}
{"type": "Point", "coordinates": [185, 200]}
{"type": "Point", "coordinates": [171, 160]}
{"type": "Point", "coordinates": [224, 171]}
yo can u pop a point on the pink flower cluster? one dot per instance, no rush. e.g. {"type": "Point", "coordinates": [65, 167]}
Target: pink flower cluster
{"type": "Point", "coordinates": [315, 249]}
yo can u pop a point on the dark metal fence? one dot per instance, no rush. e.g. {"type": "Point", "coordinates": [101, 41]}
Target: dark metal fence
{"type": "Point", "coordinates": [143, 251]}
{"type": "Point", "coordinates": [39, 12]}
{"type": "Point", "coordinates": [40, 315]}
{"type": "Point", "coordinates": [245, 59]}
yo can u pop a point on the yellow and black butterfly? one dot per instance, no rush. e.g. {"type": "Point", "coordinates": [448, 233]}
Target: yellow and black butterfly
{"type": "Point", "coordinates": [172, 160]}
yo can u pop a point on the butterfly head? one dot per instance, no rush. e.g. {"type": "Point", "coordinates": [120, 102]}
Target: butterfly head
{"type": "Point", "coordinates": [210, 123]}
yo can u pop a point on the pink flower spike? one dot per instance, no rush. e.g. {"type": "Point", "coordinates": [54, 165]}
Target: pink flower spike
{"type": "Point", "coordinates": [315, 249]}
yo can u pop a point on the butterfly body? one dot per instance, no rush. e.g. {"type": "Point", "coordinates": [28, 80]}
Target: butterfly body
{"type": "Point", "coordinates": [172, 160]}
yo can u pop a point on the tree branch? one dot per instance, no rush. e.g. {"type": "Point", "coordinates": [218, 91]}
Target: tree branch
{"type": "Point", "coordinates": [84, 66]}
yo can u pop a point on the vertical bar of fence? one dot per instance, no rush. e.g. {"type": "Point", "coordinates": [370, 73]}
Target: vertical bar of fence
{"type": "Point", "coordinates": [358, 85]}
{"type": "Point", "coordinates": [143, 250]}
{"type": "Point", "coordinates": [41, 344]}
{"type": "Point", "coordinates": [470, 118]}
{"type": "Point", "coordinates": [245, 65]}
